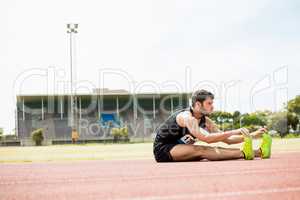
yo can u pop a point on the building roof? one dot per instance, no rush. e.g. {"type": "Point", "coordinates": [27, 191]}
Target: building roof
{"type": "Point", "coordinates": [105, 92]}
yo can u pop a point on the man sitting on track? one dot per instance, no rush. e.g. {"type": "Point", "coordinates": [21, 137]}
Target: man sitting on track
{"type": "Point", "coordinates": [175, 137]}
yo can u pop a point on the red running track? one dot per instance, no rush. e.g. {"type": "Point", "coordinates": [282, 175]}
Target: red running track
{"type": "Point", "coordinates": [276, 178]}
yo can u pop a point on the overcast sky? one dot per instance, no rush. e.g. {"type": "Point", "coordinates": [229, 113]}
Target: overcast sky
{"type": "Point", "coordinates": [250, 47]}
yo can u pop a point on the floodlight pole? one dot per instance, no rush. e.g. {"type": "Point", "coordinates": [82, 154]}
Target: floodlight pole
{"type": "Point", "coordinates": [71, 28]}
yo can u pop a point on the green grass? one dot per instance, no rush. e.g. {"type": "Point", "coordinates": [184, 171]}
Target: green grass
{"type": "Point", "coordinates": [75, 152]}
{"type": "Point", "coordinates": [291, 135]}
{"type": "Point", "coordinates": [107, 151]}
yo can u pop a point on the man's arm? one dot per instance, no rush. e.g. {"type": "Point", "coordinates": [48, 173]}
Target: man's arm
{"type": "Point", "coordinates": [185, 119]}
{"type": "Point", "coordinates": [212, 127]}
{"type": "Point", "coordinates": [235, 139]}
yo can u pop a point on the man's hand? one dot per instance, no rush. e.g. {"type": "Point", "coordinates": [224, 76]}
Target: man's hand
{"type": "Point", "coordinates": [258, 133]}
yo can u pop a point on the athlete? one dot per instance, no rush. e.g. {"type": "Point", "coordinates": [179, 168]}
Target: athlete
{"type": "Point", "coordinates": [175, 138]}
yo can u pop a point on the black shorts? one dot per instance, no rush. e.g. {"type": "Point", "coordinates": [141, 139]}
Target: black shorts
{"type": "Point", "coordinates": [162, 152]}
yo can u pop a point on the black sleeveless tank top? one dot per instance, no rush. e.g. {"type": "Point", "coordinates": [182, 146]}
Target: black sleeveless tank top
{"type": "Point", "coordinates": [169, 132]}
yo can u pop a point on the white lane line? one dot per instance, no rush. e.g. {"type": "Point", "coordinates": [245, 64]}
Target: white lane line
{"type": "Point", "coordinates": [39, 180]}
{"type": "Point", "coordinates": [215, 195]}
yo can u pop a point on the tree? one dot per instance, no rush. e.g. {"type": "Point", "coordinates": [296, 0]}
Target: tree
{"type": "Point", "coordinates": [253, 119]}
{"type": "Point", "coordinates": [236, 119]}
{"type": "Point", "coordinates": [1, 133]}
{"type": "Point", "coordinates": [236, 114]}
{"type": "Point", "coordinates": [293, 120]}
{"type": "Point", "coordinates": [283, 121]}
{"type": "Point", "coordinates": [294, 105]}
{"type": "Point", "coordinates": [224, 120]}
{"type": "Point", "coordinates": [221, 117]}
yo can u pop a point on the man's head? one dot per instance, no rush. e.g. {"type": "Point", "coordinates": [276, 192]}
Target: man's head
{"type": "Point", "coordinates": [202, 101]}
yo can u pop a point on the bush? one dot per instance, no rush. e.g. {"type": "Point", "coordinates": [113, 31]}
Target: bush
{"type": "Point", "coordinates": [37, 136]}
{"type": "Point", "coordinates": [118, 133]}
{"type": "Point", "coordinates": [124, 132]}
{"type": "Point", "coordinates": [8, 137]}
{"type": "Point", "coordinates": [291, 135]}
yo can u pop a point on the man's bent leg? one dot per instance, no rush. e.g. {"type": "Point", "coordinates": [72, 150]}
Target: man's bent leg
{"type": "Point", "coordinates": [257, 152]}
{"type": "Point", "coordinates": [186, 152]}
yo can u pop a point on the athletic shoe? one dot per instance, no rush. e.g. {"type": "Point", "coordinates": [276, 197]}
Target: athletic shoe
{"type": "Point", "coordinates": [265, 146]}
{"type": "Point", "coordinates": [247, 148]}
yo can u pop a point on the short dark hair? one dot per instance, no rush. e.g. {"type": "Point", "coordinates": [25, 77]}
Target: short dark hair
{"type": "Point", "coordinates": [201, 95]}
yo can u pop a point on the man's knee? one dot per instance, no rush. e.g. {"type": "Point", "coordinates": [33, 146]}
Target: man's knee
{"type": "Point", "coordinates": [229, 142]}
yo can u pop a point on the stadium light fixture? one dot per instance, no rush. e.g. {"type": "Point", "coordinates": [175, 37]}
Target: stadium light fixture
{"type": "Point", "coordinates": [71, 28]}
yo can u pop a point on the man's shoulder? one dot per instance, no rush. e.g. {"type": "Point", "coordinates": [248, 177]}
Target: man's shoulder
{"type": "Point", "coordinates": [184, 113]}
{"type": "Point", "coordinates": [182, 117]}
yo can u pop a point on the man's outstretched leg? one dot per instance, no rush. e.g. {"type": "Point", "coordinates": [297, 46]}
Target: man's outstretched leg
{"type": "Point", "coordinates": [185, 152]}
{"type": "Point", "coordinates": [257, 152]}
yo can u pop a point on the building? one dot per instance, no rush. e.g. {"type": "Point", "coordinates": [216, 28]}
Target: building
{"type": "Point", "coordinates": [95, 114]}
